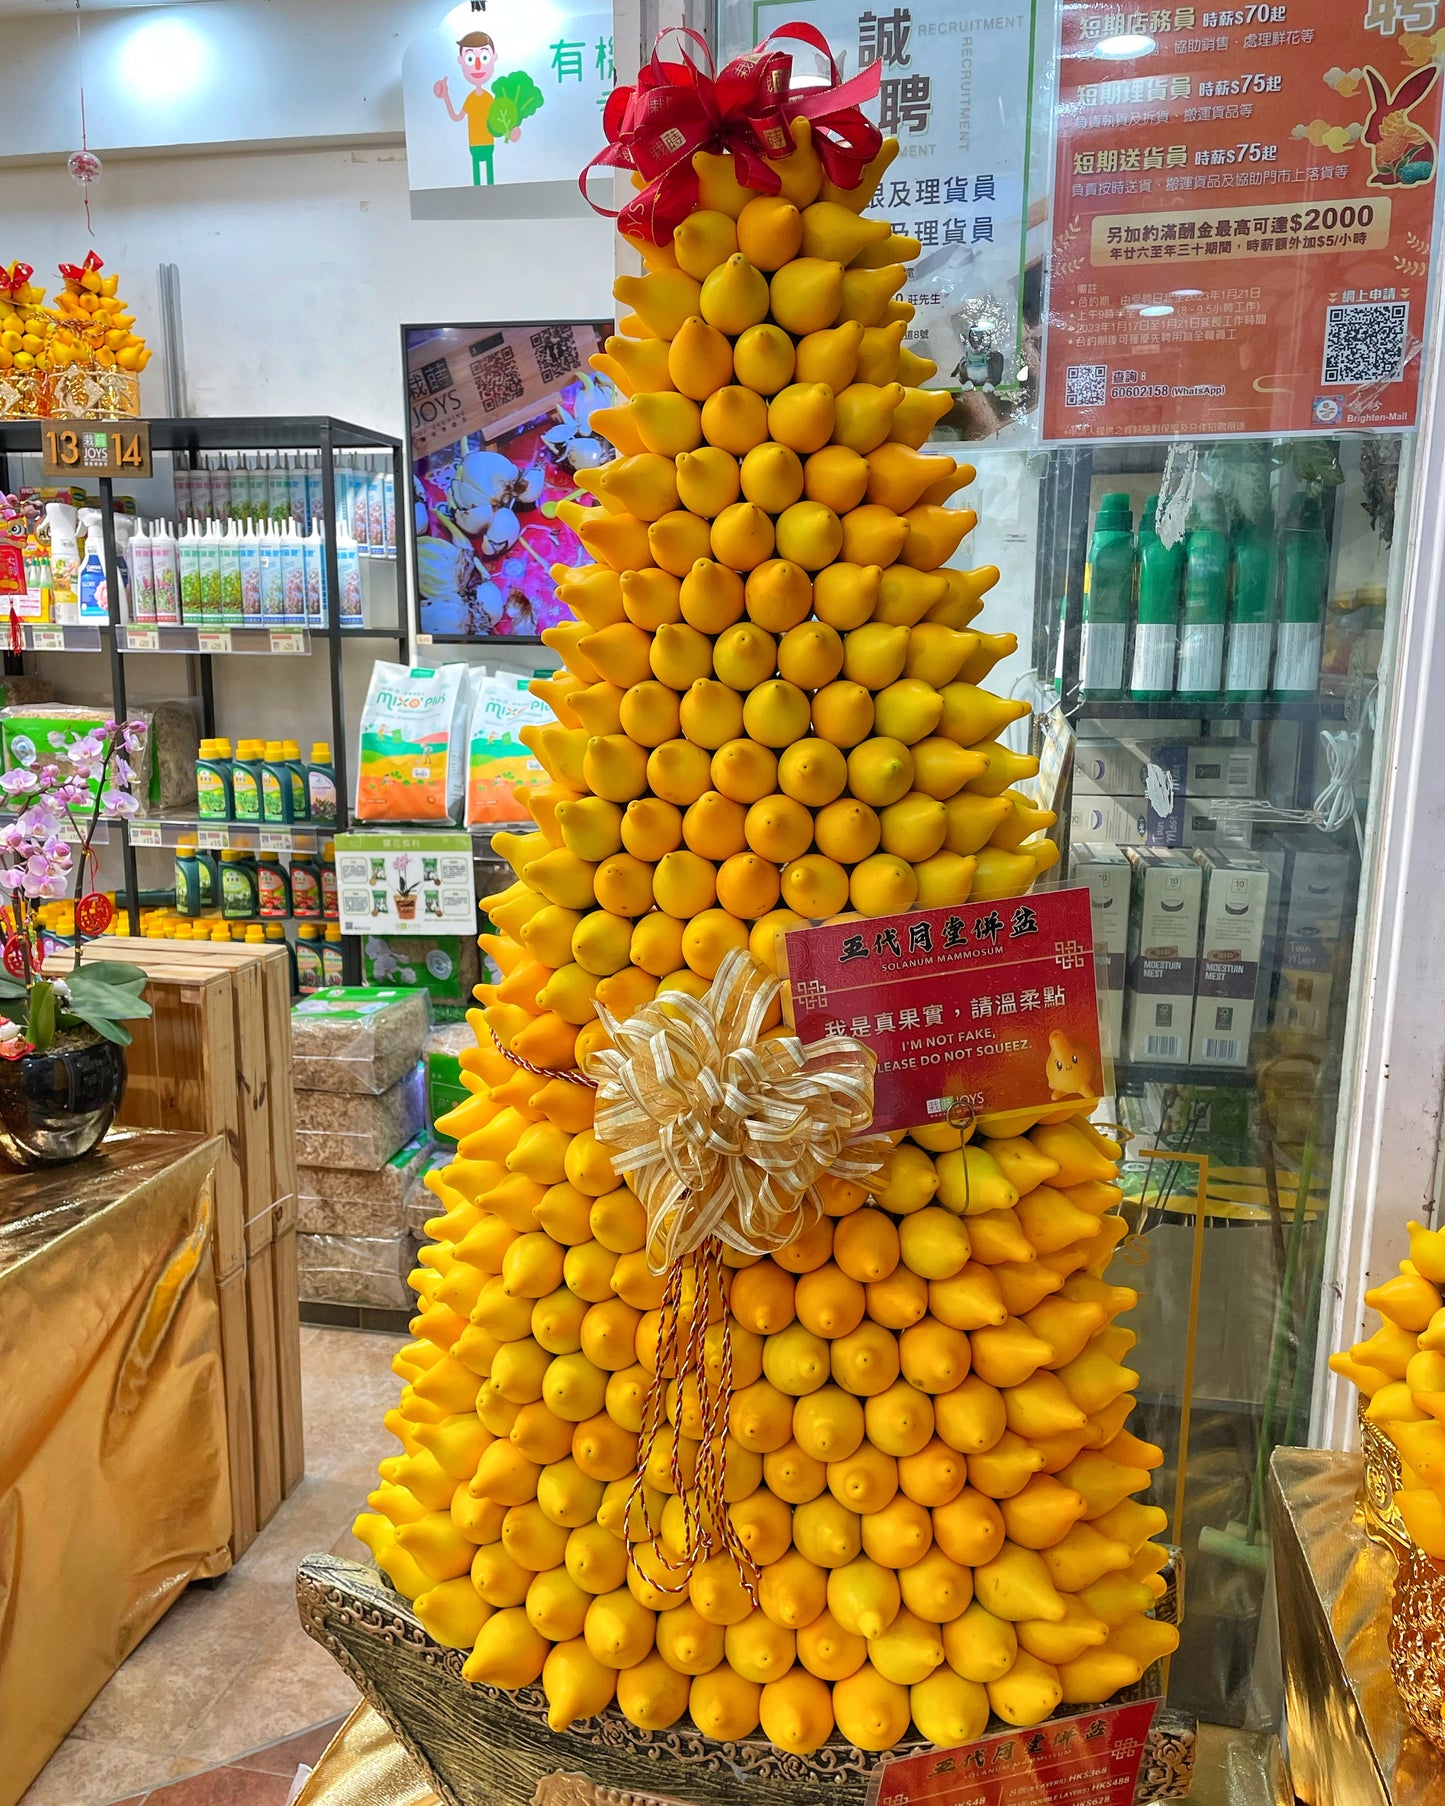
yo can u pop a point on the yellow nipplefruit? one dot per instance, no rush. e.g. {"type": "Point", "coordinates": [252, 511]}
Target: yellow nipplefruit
{"type": "Point", "coordinates": [771, 710]}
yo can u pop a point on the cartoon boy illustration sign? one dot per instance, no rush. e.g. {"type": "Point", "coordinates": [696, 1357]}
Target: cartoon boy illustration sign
{"type": "Point", "coordinates": [493, 111]}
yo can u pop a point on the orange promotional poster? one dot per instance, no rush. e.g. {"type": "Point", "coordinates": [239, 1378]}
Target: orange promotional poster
{"type": "Point", "coordinates": [1243, 205]}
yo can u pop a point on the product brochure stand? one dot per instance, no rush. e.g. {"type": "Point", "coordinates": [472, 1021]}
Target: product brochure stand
{"type": "Point", "coordinates": [475, 1743]}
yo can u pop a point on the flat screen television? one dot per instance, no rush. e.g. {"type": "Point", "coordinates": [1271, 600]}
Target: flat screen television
{"type": "Point", "coordinates": [498, 425]}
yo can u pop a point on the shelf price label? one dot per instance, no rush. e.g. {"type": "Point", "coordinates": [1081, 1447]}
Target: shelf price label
{"type": "Point", "coordinates": [274, 841]}
{"type": "Point", "coordinates": [289, 642]}
{"type": "Point", "coordinates": [47, 639]}
{"type": "Point", "coordinates": [89, 448]}
{"type": "Point", "coordinates": [213, 640]}
{"type": "Point", "coordinates": [142, 639]}
{"type": "Point", "coordinates": [145, 834]}
{"type": "Point", "coordinates": [213, 837]}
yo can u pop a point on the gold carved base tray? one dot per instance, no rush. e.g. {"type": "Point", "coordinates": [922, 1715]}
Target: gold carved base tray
{"type": "Point", "coordinates": [481, 1747]}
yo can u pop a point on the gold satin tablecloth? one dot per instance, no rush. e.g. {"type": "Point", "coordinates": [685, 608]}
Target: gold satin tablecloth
{"type": "Point", "coordinates": [1348, 1740]}
{"type": "Point", "coordinates": [364, 1765]}
{"type": "Point", "coordinates": [113, 1482]}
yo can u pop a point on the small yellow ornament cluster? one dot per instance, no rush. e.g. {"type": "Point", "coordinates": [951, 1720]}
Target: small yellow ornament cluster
{"type": "Point", "coordinates": [87, 327]}
{"type": "Point", "coordinates": [1401, 1372]}
{"type": "Point", "coordinates": [770, 712]}
{"type": "Point", "coordinates": [25, 326]}
{"type": "Point", "coordinates": [93, 327]}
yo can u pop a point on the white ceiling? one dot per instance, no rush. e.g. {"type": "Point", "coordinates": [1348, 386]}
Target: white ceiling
{"type": "Point", "coordinates": [15, 9]}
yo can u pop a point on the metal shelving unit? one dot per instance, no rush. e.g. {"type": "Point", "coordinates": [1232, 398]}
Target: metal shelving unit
{"type": "Point", "coordinates": [184, 441]}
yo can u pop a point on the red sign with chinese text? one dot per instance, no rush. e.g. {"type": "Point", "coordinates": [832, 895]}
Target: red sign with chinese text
{"type": "Point", "coordinates": [991, 1005]}
{"type": "Point", "coordinates": [12, 571]}
{"type": "Point", "coordinates": [1243, 212]}
{"type": "Point", "coordinates": [1089, 1760]}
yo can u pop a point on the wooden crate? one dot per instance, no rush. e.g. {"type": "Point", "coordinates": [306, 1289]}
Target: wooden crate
{"type": "Point", "coordinates": [216, 1055]}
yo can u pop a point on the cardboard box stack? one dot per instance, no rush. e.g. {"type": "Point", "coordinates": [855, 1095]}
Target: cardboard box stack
{"type": "Point", "coordinates": [360, 1113]}
{"type": "Point", "coordinates": [1105, 872]}
{"type": "Point", "coordinates": [1161, 794]}
{"type": "Point", "coordinates": [215, 1056]}
{"type": "Point", "coordinates": [1168, 890]}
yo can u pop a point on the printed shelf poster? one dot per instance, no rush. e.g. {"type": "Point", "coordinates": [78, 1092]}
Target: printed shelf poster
{"type": "Point", "coordinates": [957, 75]}
{"type": "Point", "coordinates": [406, 883]}
{"type": "Point", "coordinates": [987, 1006]}
{"type": "Point", "coordinates": [1243, 217]}
{"type": "Point", "coordinates": [495, 94]}
{"type": "Point", "coordinates": [499, 422]}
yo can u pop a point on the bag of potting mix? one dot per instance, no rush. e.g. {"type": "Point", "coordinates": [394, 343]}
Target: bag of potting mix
{"type": "Point", "coordinates": [497, 761]}
{"type": "Point", "coordinates": [413, 744]}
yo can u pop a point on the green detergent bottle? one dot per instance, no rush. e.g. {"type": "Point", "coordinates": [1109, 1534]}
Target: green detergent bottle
{"type": "Point", "coordinates": [240, 896]}
{"type": "Point", "coordinates": [296, 771]}
{"type": "Point", "coordinates": [1251, 611]}
{"type": "Point", "coordinates": [1305, 555]}
{"type": "Point", "coordinates": [1156, 631]}
{"type": "Point", "coordinates": [310, 969]}
{"type": "Point", "coordinates": [276, 791]}
{"type": "Point", "coordinates": [188, 879]}
{"type": "Point", "coordinates": [1108, 599]}
{"type": "Point", "coordinates": [213, 781]}
{"type": "Point", "coordinates": [246, 780]}
{"type": "Point", "coordinates": [1206, 602]}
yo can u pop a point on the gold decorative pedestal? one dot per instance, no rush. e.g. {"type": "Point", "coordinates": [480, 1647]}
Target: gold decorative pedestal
{"type": "Point", "coordinates": [1349, 1741]}
{"type": "Point", "coordinates": [75, 393]}
{"type": "Point", "coordinates": [480, 1747]}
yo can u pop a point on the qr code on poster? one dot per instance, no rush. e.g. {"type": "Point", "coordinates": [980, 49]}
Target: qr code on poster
{"type": "Point", "coordinates": [497, 377]}
{"type": "Point", "coordinates": [1365, 343]}
{"type": "Point", "coordinates": [1085, 385]}
{"type": "Point", "coordinates": [555, 352]}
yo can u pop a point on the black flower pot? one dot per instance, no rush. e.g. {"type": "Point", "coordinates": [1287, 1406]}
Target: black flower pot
{"type": "Point", "coordinates": [58, 1106]}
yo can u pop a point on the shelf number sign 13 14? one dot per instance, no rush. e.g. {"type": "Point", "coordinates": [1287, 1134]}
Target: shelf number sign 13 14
{"type": "Point", "coordinates": [72, 448]}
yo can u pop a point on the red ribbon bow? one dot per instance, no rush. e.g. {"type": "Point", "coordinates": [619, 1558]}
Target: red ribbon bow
{"type": "Point", "coordinates": [680, 108]}
{"type": "Point", "coordinates": [73, 272]}
{"type": "Point", "coordinates": [15, 278]}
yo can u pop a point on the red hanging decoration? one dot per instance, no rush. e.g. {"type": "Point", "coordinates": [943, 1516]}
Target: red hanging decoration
{"type": "Point", "coordinates": [13, 958]}
{"type": "Point", "coordinates": [17, 639]}
{"type": "Point", "coordinates": [94, 913]}
{"type": "Point", "coordinates": [679, 108]}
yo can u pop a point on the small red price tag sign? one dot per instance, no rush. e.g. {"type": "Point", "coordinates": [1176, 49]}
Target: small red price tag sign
{"type": "Point", "coordinates": [1092, 1759]}
{"type": "Point", "coordinates": [988, 1005]}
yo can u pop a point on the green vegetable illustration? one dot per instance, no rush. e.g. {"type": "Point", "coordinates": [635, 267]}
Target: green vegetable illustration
{"type": "Point", "coordinates": [514, 98]}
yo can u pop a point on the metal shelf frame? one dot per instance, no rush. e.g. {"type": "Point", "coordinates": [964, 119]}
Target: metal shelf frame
{"type": "Point", "coordinates": [185, 440]}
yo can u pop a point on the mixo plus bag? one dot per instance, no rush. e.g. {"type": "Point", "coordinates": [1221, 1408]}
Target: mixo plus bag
{"type": "Point", "coordinates": [413, 745]}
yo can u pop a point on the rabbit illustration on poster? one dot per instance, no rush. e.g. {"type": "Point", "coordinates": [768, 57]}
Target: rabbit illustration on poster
{"type": "Point", "coordinates": [1402, 150]}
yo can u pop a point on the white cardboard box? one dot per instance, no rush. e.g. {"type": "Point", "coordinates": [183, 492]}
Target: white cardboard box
{"type": "Point", "coordinates": [1130, 822]}
{"type": "Point", "coordinates": [1235, 916]}
{"type": "Point", "coordinates": [1163, 954]}
{"type": "Point", "coordinates": [1196, 767]}
{"type": "Point", "coordinates": [1104, 870]}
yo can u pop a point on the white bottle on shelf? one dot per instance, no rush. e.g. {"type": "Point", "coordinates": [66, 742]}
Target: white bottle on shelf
{"type": "Point", "coordinates": [313, 552]}
{"type": "Point", "coordinates": [142, 578]}
{"type": "Point", "coordinates": [273, 582]}
{"type": "Point", "coordinates": [348, 570]}
{"type": "Point", "coordinates": [293, 577]}
{"type": "Point", "coordinates": [165, 570]}
{"type": "Point", "coordinates": [250, 561]}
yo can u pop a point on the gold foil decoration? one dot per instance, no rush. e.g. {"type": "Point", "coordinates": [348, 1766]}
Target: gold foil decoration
{"type": "Point", "coordinates": [1417, 1640]}
{"type": "Point", "coordinates": [720, 1132]}
{"type": "Point", "coordinates": [722, 1135]}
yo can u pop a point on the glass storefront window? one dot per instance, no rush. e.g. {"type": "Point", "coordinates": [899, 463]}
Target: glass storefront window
{"type": "Point", "coordinates": [1202, 556]}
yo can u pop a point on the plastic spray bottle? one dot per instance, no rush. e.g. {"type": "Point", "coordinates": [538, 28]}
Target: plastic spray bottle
{"type": "Point", "coordinates": [348, 569]}
{"type": "Point", "coordinates": [188, 556]}
{"type": "Point", "coordinates": [1108, 595]}
{"type": "Point", "coordinates": [62, 521]}
{"type": "Point", "coordinates": [166, 570]}
{"type": "Point", "coordinates": [232, 612]}
{"type": "Point", "coordinates": [1306, 559]}
{"type": "Point", "coordinates": [1206, 601]}
{"type": "Point", "coordinates": [1251, 610]}
{"type": "Point", "coordinates": [1156, 632]}
{"type": "Point", "coordinates": [142, 579]}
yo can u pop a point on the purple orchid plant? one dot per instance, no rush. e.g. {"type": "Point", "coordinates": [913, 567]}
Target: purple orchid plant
{"type": "Point", "coordinates": [71, 789]}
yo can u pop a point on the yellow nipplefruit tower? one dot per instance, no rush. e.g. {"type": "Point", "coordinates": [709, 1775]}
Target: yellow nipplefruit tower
{"type": "Point", "coordinates": [92, 325]}
{"type": "Point", "coordinates": [1400, 1372]}
{"type": "Point", "coordinates": [770, 711]}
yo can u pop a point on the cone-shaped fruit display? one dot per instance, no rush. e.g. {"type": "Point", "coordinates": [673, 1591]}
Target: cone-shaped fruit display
{"type": "Point", "coordinates": [772, 712]}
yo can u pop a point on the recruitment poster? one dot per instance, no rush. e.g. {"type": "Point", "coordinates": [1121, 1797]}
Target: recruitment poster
{"type": "Point", "coordinates": [1242, 217]}
{"type": "Point", "coordinates": [954, 91]}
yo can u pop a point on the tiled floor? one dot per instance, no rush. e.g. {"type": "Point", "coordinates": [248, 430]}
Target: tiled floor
{"type": "Point", "coordinates": [229, 1670]}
